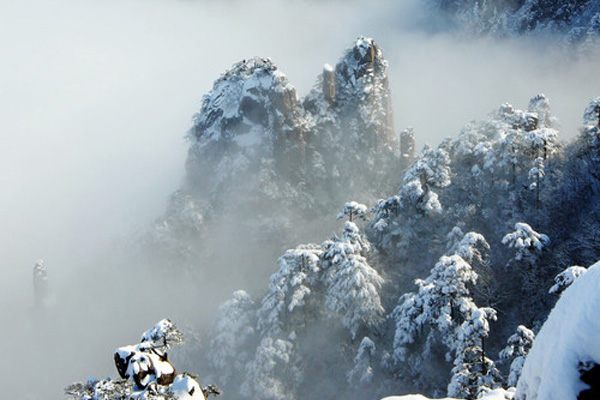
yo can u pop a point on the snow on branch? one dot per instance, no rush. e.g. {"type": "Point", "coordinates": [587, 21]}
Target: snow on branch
{"type": "Point", "coordinates": [525, 240]}
{"type": "Point", "coordinates": [566, 278]}
{"type": "Point", "coordinates": [352, 210]}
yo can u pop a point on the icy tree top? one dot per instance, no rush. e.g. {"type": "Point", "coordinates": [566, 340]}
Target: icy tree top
{"type": "Point", "coordinates": [163, 335]}
{"type": "Point", "coordinates": [353, 209]}
{"type": "Point", "coordinates": [524, 239]}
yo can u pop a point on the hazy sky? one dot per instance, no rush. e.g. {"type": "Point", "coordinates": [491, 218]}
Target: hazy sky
{"type": "Point", "coordinates": [96, 97]}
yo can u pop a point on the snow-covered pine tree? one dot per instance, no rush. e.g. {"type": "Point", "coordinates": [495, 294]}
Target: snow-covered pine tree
{"type": "Point", "coordinates": [354, 210]}
{"type": "Point", "coordinates": [232, 333]}
{"type": "Point", "coordinates": [528, 245]}
{"type": "Point", "coordinates": [591, 115]}
{"type": "Point", "coordinates": [299, 271]}
{"type": "Point", "coordinates": [439, 307]}
{"type": "Point", "coordinates": [515, 352]}
{"type": "Point", "coordinates": [431, 168]}
{"type": "Point", "coordinates": [274, 372]}
{"type": "Point", "coordinates": [527, 242]}
{"type": "Point", "coordinates": [536, 174]}
{"type": "Point", "coordinates": [591, 122]}
{"type": "Point", "coordinates": [362, 372]}
{"type": "Point", "coordinates": [473, 371]}
{"type": "Point", "coordinates": [352, 284]}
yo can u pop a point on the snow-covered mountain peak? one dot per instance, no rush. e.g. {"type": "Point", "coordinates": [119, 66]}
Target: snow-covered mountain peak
{"type": "Point", "coordinates": [246, 104]}
{"type": "Point", "coordinates": [249, 123]}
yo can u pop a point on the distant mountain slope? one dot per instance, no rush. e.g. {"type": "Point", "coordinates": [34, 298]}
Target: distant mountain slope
{"type": "Point", "coordinates": [578, 21]}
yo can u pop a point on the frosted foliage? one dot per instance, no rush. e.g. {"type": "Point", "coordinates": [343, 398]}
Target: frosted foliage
{"type": "Point", "coordinates": [409, 317]}
{"type": "Point", "coordinates": [454, 237]}
{"type": "Point", "coordinates": [470, 246]}
{"type": "Point", "coordinates": [442, 303]}
{"type": "Point", "coordinates": [431, 167]}
{"type": "Point", "coordinates": [351, 242]}
{"type": "Point", "coordinates": [362, 372]}
{"type": "Point", "coordinates": [105, 389]}
{"type": "Point", "coordinates": [477, 325]}
{"type": "Point", "coordinates": [163, 335]}
{"type": "Point", "coordinates": [540, 105]}
{"type": "Point", "coordinates": [514, 373]}
{"type": "Point", "coordinates": [262, 381]}
{"type": "Point", "coordinates": [426, 201]}
{"type": "Point", "coordinates": [354, 293]}
{"type": "Point", "coordinates": [352, 210]}
{"type": "Point", "coordinates": [385, 210]}
{"type": "Point", "coordinates": [591, 115]}
{"type": "Point", "coordinates": [566, 278]}
{"type": "Point", "coordinates": [439, 296]}
{"type": "Point", "coordinates": [451, 274]}
{"type": "Point", "coordinates": [472, 370]}
{"type": "Point", "coordinates": [525, 240]}
{"type": "Point", "coordinates": [352, 284]}
{"type": "Point", "coordinates": [542, 141]}
{"type": "Point", "coordinates": [289, 287]}
{"type": "Point", "coordinates": [537, 172]}
{"type": "Point", "coordinates": [495, 394]}
{"type": "Point", "coordinates": [567, 340]}
{"type": "Point", "coordinates": [233, 328]}
{"type": "Point", "coordinates": [515, 352]}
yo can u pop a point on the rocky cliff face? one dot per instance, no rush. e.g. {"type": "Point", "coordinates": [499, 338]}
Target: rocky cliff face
{"type": "Point", "coordinates": [353, 137]}
{"type": "Point", "coordinates": [261, 162]}
{"type": "Point", "coordinates": [252, 135]}
{"type": "Point", "coordinates": [248, 134]}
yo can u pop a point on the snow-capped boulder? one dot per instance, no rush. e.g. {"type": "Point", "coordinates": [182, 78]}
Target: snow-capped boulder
{"type": "Point", "coordinates": [566, 351]}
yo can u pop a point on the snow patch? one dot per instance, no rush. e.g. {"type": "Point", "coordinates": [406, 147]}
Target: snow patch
{"type": "Point", "coordinates": [568, 339]}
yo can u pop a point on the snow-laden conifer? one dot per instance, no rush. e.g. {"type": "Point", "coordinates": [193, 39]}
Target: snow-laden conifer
{"type": "Point", "coordinates": [442, 314]}
{"type": "Point", "coordinates": [515, 352]}
{"type": "Point", "coordinates": [362, 372]}
{"type": "Point", "coordinates": [472, 369]}
{"type": "Point", "coordinates": [354, 210]}
{"type": "Point", "coordinates": [272, 374]}
{"type": "Point", "coordinates": [591, 115]}
{"type": "Point", "coordinates": [290, 286]}
{"type": "Point", "coordinates": [352, 284]}
{"type": "Point", "coordinates": [527, 242]}
{"type": "Point", "coordinates": [233, 329]}
{"type": "Point", "coordinates": [431, 168]}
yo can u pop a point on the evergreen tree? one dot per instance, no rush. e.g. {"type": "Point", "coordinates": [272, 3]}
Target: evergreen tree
{"type": "Point", "coordinates": [232, 334]}
{"type": "Point", "coordinates": [353, 210]}
{"type": "Point", "coordinates": [527, 242]}
{"type": "Point", "coordinates": [274, 372]}
{"type": "Point", "coordinates": [515, 352]}
{"type": "Point", "coordinates": [362, 372]}
{"type": "Point", "coordinates": [352, 284]}
{"type": "Point", "coordinates": [290, 286]}
{"type": "Point", "coordinates": [472, 369]}
{"type": "Point", "coordinates": [439, 309]}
